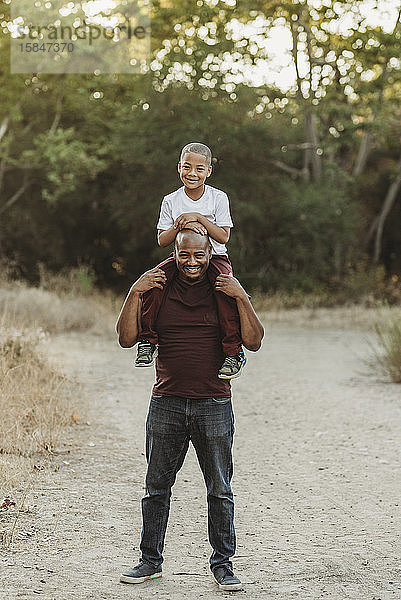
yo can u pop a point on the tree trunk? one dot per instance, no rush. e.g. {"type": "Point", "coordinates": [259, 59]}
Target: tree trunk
{"type": "Point", "coordinates": [311, 136]}
{"type": "Point", "coordinates": [363, 153]}
{"type": "Point", "coordinates": [386, 208]}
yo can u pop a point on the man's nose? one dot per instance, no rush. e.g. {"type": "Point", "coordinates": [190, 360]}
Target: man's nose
{"type": "Point", "coordinates": [192, 260]}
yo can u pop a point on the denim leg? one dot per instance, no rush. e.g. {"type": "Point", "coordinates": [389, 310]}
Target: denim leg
{"type": "Point", "coordinates": [212, 432]}
{"type": "Point", "coordinates": [167, 443]}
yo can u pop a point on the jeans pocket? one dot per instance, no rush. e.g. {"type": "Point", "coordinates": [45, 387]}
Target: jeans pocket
{"type": "Point", "coordinates": [221, 400]}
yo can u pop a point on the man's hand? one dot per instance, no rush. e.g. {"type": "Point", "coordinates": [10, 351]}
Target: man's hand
{"type": "Point", "coordinates": [153, 278]}
{"type": "Point", "coordinates": [190, 221]}
{"type": "Point", "coordinates": [230, 286]}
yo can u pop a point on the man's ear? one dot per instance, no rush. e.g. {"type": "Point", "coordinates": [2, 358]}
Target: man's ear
{"type": "Point", "coordinates": [209, 171]}
{"type": "Point", "coordinates": [179, 167]}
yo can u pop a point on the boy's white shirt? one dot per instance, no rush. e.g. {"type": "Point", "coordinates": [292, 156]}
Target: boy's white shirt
{"type": "Point", "coordinates": [213, 204]}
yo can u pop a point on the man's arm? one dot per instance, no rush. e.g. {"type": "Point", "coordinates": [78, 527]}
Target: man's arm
{"type": "Point", "coordinates": [128, 324]}
{"type": "Point", "coordinates": [252, 331]}
{"type": "Point", "coordinates": [217, 233]}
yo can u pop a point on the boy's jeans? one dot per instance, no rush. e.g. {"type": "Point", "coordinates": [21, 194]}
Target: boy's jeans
{"type": "Point", "coordinates": [172, 422]}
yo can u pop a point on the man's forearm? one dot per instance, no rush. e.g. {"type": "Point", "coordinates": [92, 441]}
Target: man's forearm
{"type": "Point", "coordinates": [252, 331]}
{"type": "Point", "coordinates": [128, 324]}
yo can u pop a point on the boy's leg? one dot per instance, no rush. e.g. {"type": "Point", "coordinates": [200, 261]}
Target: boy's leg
{"type": "Point", "coordinates": [226, 307]}
{"type": "Point", "coordinates": [151, 302]}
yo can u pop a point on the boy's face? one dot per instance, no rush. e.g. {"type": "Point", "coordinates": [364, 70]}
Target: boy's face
{"type": "Point", "coordinates": [193, 170]}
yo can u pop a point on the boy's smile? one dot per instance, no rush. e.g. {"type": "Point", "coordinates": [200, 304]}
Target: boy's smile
{"type": "Point", "coordinates": [193, 170]}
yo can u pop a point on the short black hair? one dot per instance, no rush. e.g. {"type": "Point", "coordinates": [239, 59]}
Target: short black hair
{"type": "Point", "coordinates": [198, 148]}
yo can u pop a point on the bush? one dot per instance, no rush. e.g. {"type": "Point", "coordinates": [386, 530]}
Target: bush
{"type": "Point", "coordinates": [387, 356]}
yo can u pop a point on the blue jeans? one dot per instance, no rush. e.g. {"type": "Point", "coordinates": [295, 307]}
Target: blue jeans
{"type": "Point", "coordinates": [172, 422]}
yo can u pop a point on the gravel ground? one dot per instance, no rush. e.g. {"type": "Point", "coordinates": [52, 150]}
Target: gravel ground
{"type": "Point", "coordinates": [317, 481]}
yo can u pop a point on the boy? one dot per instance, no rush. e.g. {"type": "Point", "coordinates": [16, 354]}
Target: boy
{"type": "Point", "coordinates": [205, 210]}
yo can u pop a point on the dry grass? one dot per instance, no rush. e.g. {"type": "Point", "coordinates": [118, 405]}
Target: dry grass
{"type": "Point", "coordinates": [36, 403]}
{"type": "Point", "coordinates": [54, 313]}
{"type": "Point", "coordinates": [386, 355]}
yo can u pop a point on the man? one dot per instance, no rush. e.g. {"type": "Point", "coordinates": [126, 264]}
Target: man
{"type": "Point", "coordinates": [189, 402]}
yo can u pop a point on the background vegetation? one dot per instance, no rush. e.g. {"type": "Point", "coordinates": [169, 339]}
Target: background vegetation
{"type": "Point", "coordinates": [313, 173]}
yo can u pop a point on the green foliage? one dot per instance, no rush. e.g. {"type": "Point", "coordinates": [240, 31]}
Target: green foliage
{"type": "Point", "coordinates": [85, 160]}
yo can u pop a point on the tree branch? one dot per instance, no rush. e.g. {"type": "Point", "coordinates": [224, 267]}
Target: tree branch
{"type": "Point", "coordinates": [291, 170]}
{"type": "Point", "coordinates": [4, 126]}
{"type": "Point", "coordinates": [57, 115]}
{"type": "Point", "coordinates": [15, 196]}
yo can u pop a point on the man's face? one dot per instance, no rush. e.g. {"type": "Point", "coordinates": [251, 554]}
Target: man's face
{"type": "Point", "coordinates": [193, 170]}
{"type": "Point", "coordinates": [192, 255]}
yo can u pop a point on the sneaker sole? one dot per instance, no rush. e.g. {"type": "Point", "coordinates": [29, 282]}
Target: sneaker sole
{"type": "Point", "coordinates": [235, 587]}
{"type": "Point", "coordinates": [127, 579]}
{"type": "Point", "coordinates": [233, 376]}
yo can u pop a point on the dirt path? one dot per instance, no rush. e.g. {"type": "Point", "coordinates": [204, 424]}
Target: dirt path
{"type": "Point", "coordinates": [317, 482]}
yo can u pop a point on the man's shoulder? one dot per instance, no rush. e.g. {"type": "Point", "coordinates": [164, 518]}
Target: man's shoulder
{"type": "Point", "coordinates": [173, 195]}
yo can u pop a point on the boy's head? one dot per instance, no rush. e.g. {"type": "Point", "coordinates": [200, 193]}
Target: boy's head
{"type": "Point", "coordinates": [195, 165]}
{"type": "Point", "coordinates": [197, 148]}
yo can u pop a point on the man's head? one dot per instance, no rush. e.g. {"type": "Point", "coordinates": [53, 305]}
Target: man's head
{"type": "Point", "coordinates": [192, 252]}
{"type": "Point", "coordinates": [195, 165]}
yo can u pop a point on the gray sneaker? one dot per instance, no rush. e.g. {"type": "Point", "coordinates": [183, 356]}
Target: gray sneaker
{"type": "Point", "coordinates": [142, 572]}
{"type": "Point", "coordinates": [145, 355]}
{"type": "Point", "coordinates": [226, 580]}
{"type": "Point", "coordinates": [232, 366]}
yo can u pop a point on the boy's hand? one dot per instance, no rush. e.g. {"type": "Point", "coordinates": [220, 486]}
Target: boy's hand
{"type": "Point", "coordinates": [230, 286]}
{"type": "Point", "coordinates": [195, 226]}
{"type": "Point", "coordinates": [183, 220]}
{"type": "Point", "coordinates": [153, 278]}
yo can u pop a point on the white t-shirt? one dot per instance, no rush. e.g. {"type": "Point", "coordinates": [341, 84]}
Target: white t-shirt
{"type": "Point", "coordinates": [213, 204]}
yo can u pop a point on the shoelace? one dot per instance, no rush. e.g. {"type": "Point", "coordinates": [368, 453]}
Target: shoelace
{"type": "Point", "coordinates": [231, 361]}
{"type": "Point", "coordinates": [144, 349]}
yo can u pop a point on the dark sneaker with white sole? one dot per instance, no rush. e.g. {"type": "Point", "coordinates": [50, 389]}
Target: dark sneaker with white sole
{"type": "Point", "coordinates": [145, 354]}
{"type": "Point", "coordinates": [142, 572]}
{"type": "Point", "coordinates": [226, 580]}
{"type": "Point", "coordinates": [232, 366]}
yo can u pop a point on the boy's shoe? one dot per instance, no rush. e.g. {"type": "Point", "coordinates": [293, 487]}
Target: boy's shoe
{"type": "Point", "coordinates": [232, 366]}
{"type": "Point", "coordinates": [145, 354]}
{"type": "Point", "coordinates": [226, 580]}
{"type": "Point", "coordinates": [142, 572]}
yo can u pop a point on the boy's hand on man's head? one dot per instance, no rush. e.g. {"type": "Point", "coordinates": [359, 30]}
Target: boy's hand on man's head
{"type": "Point", "coordinates": [195, 226]}
{"type": "Point", "coordinates": [186, 218]}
